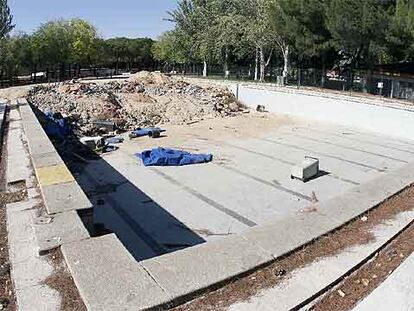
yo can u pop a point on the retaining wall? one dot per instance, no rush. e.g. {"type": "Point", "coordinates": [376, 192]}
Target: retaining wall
{"type": "Point", "coordinates": [389, 118]}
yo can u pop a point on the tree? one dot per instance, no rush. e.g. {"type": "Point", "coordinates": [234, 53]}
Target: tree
{"type": "Point", "coordinates": [83, 40]}
{"type": "Point", "coordinates": [192, 20]}
{"type": "Point", "coordinates": [226, 32]}
{"type": "Point", "coordinates": [357, 27]}
{"type": "Point", "coordinates": [53, 42]}
{"type": "Point", "coordinates": [167, 49]}
{"type": "Point", "coordinates": [128, 51]}
{"type": "Point", "coordinates": [265, 29]}
{"type": "Point", "coordinates": [6, 19]}
{"type": "Point", "coordinates": [400, 35]}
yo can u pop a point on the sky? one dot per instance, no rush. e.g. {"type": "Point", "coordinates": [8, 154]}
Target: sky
{"type": "Point", "coordinates": [113, 18]}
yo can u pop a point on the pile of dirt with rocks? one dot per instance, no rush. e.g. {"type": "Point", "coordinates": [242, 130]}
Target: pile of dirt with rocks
{"type": "Point", "coordinates": [145, 99]}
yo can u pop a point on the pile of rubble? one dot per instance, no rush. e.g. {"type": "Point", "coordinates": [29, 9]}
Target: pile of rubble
{"type": "Point", "coordinates": [146, 99]}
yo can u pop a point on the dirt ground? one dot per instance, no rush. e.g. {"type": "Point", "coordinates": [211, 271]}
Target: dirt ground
{"type": "Point", "coordinates": [63, 282]}
{"type": "Point", "coordinates": [245, 125]}
{"type": "Point", "coordinates": [355, 233]}
{"type": "Point", "coordinates": [12, 93]}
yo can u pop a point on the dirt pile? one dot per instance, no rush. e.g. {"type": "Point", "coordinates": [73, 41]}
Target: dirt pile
{"type": "Point", "coordinates": [146, 99]}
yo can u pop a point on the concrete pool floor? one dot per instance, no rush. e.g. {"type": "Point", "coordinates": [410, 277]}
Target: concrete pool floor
{"type": "Point", "coordinates": [159, 210]}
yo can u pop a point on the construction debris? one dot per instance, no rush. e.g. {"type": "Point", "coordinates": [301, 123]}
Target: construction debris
{"type": "Point", "coordinates": [145, 100]}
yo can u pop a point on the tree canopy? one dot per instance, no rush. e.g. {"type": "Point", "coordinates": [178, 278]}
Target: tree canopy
{"type": "Point", "coordinates": [324, 34]}
{"type": "Point", "coordinates": [354, 33]}
{"type": "Point", "coordinates": [67, 44]}
{"type": "Point", "coordinates": [6, 19]}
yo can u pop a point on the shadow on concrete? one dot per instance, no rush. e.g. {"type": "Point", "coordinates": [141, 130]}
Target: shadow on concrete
{"type": "Point", "coordinates": [144, 227]}
{"type": "Point", "coordinates": [321, 173]}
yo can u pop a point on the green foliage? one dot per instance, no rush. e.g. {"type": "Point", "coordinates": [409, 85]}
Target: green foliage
{"type": "Point", "coordinates": [64, 42]}
{"type": "Point", "coordinates": [82, 41]}
{"type": "Point", "coordinates": [168, 49]}
{"type": "Point", "coordinates": [400, 35]}
{"type": "Point", "coordinates": [6, 19]}
{"type": "Point", "coordinates": [126, 50]}
{"type": "Point", "coordinates": [53, 42]}
{"type": "Point", "coordinates": [357, 28]}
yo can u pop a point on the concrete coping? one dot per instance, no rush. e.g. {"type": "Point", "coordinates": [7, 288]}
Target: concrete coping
{"type": "Point", "coordinates": [183, 274]}
{"type": "Point", "coordinates": [60, 191]}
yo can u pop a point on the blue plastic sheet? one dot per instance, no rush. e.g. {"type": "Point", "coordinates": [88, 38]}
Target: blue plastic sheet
{"type": "Point", "coordinates": [149, 131]}
{"type": "Point", "coordinates": [172, 157]}
{"type": "Point", "coordinates": [57, 127]}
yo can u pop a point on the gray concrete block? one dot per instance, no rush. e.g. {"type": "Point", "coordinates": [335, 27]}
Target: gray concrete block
{"type": "Point", "coordinates": [308, 169]}
{"type": "Point", "coordinates": [64, 197]}
{"type": "Point", "coordinates": [46, 159]}
{"type": "Point", "coordinates": [284, 235]}
{"type": "Point", "coordinates": [55, 230]}
{"type": "Point", "coordinates": [183, 272]}
{"type": "Point", "coordinates": [109, 278]}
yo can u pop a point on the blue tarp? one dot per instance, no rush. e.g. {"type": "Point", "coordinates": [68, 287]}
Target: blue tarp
{"type": "Point", "coordinates": [171, 157]}
{"type": "Point", "coordinates": [57, 127]}
{"type": "Point", "coordinates": [149, 131]}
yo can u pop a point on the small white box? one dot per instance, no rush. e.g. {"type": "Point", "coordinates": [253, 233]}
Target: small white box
{"type": "Point", "coordinates": [307, 170]}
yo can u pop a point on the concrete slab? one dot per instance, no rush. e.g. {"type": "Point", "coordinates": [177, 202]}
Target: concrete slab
{"type": "Point", "coordinates": [28, 299]}
{"type": "Point", "coordinates": [28, 270]}
{"type": "Point", "coordinates": [183, 272]}
{"type": "Point", "coordinates": [396, 293]}
{"type": "Point", "coordinates": [39, 144]}
{"type": "Point", "coordinates": [64, 197]}
{"type": "Point", "coordinates": [53, 231]}
{"type": "Point", "coordinates": [284, 235]}
{"type": "Point", "coordinates": [46, 159]}
{"type": "Point", "coordinates": [53, 175]}
{"type": "Point", "coordinates": [18, 161]}
{"type": "Point", "coordinates": [197, 213]}
{"type": "Point", "coordinates": [360, 199]}
{"type": "Point", "coordinates": [108, 277]}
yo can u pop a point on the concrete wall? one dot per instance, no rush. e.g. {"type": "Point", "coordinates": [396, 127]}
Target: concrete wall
{"type": "Point", "coordinates": [373, 115]}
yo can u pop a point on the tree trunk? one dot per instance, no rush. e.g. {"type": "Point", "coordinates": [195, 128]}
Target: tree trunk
{"type": "Point", "coordinates": [205, 69]}
{"type": "Point", "coordinates": [256, 68]}
{"type": "Point", "coordinates": [323, 79]}
{"type": "Point", "coordinates": [285, 62]}
{"type": "Point", "coordinates": [117, 66]}
{"type": "Point", "coordinates": [62, 72]}
{"type": "Point", "coordinates": [226, 64]}
{"type": "Point", "coordinates": [262, 65]}
{"type": "Point", "coordinates": [34, 69]}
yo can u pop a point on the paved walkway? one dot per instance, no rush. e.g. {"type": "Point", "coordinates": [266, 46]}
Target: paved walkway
{"type": "Point", "coordinates": [396, 293]}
